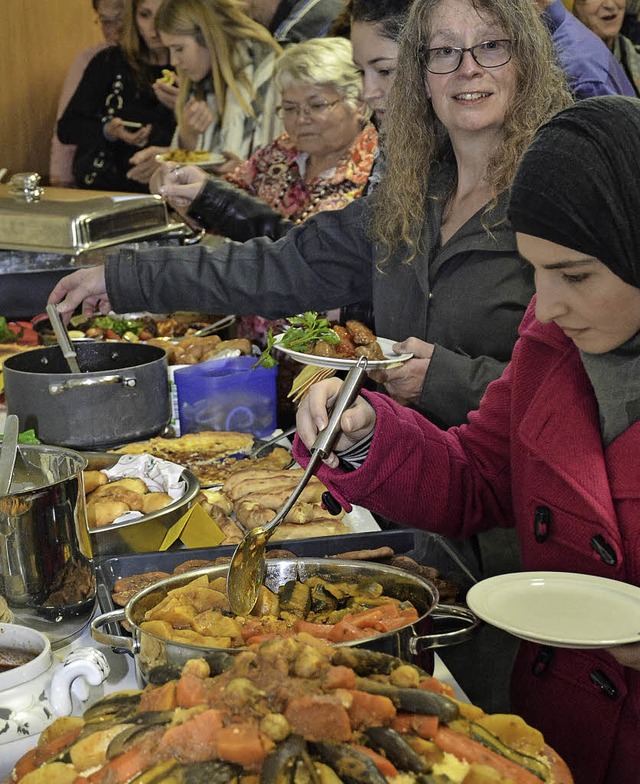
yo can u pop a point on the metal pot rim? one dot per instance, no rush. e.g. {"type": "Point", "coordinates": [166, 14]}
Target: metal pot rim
{"type": "Point", "coordinates": [218, 571]}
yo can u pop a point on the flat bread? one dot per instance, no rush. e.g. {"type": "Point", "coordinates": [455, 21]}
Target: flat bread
{"type": "Point", "coordinates": [211, 455]}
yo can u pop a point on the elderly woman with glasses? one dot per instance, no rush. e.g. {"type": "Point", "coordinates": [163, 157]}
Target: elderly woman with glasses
{"type": "Point", "coordinates": [321, 161]}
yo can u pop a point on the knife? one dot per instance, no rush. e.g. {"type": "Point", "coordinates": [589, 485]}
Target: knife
{"type": "Point", "coordinates": [8, 452]}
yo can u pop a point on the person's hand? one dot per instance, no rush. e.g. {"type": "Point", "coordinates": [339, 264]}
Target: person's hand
{"type": "Point", "coordinates": [167, 94]}
{"type": "Point", "coordinates": [117, 131]}
{"type": "Point", "coordinates": [144, 164]}
{"type": "Point", "coordinates": [86, 287]}
{"type": "Point", "coordinates": [404, 383]}
{"type": "Point", "coordinates": [179, 185]}
{"type": "Point", "coordinates": [627, 655]}
{"type": "Point", "coordinates": [196, 118]}
{"type": "Point", "coordinates": [313, 416]}
{"type": "Point", "coordinates": [232, 161]}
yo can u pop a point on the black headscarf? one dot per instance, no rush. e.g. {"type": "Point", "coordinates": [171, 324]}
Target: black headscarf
{"type": "Point", "coordinates": [578, 185]}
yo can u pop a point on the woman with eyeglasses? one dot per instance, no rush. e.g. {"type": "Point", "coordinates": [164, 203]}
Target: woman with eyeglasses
{"type": "Point", "coordinates": [226, 101]}
{"type": "Point", "coordinates": [114, 112]}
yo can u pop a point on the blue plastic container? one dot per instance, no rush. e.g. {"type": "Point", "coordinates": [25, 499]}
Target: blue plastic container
{"type": "Point", "coordinates": [227, 394]}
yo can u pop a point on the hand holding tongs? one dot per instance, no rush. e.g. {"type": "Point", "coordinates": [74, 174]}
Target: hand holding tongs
{"type": "Point", "coordinates": [247, 567]}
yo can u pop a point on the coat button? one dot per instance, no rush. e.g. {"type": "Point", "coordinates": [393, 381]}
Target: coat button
{"type": "Point", "coordinates": [603, 548]}
{"type": "Point", "coordinates": [541, 523]}
{"type": "Point", "coordinates": [542, 660]}
{"type": "Point", "coordinates": [604, 683]}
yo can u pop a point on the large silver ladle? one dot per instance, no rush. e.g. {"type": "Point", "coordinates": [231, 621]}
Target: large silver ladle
{"type": "Point", "coordinates": [248, 566]}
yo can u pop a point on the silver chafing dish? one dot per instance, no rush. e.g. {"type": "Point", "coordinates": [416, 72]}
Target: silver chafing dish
{"type": "Point", "coordinates": [43, 239]}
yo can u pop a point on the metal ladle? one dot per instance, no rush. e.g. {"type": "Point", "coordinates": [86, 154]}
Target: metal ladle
{"type": "Point", "coordinates": [248, 566]}
{"type": "Point", "coordinates": [62, 336]}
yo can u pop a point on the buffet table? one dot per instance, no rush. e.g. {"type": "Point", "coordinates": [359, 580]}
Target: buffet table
{"type": "Point", "coordinates": [122, 676]}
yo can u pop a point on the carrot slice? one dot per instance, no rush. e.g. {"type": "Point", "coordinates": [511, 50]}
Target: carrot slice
{"type": "Point", "coordinates": [194, 740]}
{"type": "Point", "coordinates": [243, 744]}
{"type": "Point", "coordinates": [344, 631]}
{"type": "Point", "coordinates": [385, 766]}
{"type": "Point", "coordinates": [416, 724]}
{"type": "Point", "coordinates": [370, 710]}
{"type": "Point", "coordinates": [318, 718]}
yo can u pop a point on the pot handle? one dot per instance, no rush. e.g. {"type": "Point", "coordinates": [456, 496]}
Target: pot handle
{"type": "Point", "coordinates": [470, 625]}
{"type": "Point", "coordinates": [114, 640]}
{"type": "Point", "coordinates": [87, 381]}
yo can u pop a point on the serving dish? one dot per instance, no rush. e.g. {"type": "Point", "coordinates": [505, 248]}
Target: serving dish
{"type": "Point", "coordinates": [409, 642]}
{"type": "Point", "coordinates": [563, 609]}
{"type": "Point", "coordinates": [142, 534]}
{"type": "Point", "coordinates": [391, 358]}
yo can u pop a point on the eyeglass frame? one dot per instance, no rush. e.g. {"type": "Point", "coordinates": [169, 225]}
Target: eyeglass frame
{"type": "Point", "coordinates": [461, 52]}
{"type": "Point", "coordinates": [305, 109]}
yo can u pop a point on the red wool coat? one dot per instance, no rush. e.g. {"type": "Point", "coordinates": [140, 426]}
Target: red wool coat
{"type": "Point", "coordinates": [532, 454]}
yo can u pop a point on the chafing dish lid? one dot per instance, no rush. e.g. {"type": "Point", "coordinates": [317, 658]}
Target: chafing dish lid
{"type": "Point", "coordinates": [73, 225]}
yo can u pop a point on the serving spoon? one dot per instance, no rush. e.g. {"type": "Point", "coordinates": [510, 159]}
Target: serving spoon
{"type": "Point", "coordinates": [248, 566]}
{"type": "Point", "coordinates": [62, 336]}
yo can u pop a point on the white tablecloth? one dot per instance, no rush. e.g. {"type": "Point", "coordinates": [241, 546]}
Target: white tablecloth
{"type": "Point", "coordinates": [122, 676]}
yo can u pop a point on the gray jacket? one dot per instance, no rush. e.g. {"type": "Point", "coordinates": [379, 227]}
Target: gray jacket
{"type": "Point", "coordinates": [467, 297]}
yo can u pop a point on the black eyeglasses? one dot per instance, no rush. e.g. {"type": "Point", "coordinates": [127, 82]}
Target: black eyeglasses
{"type": "Point", "coordinates": [488, 54]}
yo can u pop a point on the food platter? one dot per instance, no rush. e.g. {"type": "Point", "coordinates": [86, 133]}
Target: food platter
{"type": "Point", "coordinates": [181, 157]}
{"type": "Point", "coordinates": [391, 358]}
{"type": "Point", "coordinates": [563, 609]}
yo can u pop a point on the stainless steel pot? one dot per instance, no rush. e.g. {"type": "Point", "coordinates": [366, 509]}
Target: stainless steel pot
{"type": "Point", "coordinates": [46, 574]}
{"type": "Point", "coordinates": [412, 642]}
{"type": "Point", "coordinates": [121, 395]}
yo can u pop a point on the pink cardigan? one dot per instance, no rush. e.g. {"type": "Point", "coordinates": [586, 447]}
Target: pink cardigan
{"type": "Point", "coordinates": [533, 445]}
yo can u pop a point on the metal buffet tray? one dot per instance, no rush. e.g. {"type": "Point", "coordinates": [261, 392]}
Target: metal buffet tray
{"type": "Point", "coordinates": [424, 547]}
{"type": "Point", "coordinates": [67, 229]}
{"type": "Point", "coordinates": [73, 226]}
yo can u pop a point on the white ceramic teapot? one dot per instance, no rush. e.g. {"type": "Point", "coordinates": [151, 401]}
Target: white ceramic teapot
{"type": "Point", "coordinates": [35, 692]}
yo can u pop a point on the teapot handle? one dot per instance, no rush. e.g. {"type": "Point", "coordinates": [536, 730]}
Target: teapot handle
{"type": "Point", "coordinates": [81, 667]}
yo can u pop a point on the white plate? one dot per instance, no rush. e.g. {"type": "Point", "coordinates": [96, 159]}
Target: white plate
{"type": "Point", "coordinates": [391, 360]}
{"type": "Point", "coordinates": [214, 159]}
{"type": "Point", "coordinates": [560, 608]}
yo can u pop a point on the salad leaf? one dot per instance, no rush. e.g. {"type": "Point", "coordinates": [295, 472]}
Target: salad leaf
{"type": "Point", "coordinates": [27, 437]}
{"type": "Point", "coordinates": [8, 335]}
{"type": "Point", "coordinates": [119, 326]}
{"type": "Point", "coordinates": [301, 335]}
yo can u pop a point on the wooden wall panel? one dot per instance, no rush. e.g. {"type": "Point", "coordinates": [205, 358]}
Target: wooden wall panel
{"type": "Point", "coordinates": [38, 41]}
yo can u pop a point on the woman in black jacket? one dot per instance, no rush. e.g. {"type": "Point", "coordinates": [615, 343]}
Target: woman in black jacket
{"type": "Point", "coordinates": [114, 112]}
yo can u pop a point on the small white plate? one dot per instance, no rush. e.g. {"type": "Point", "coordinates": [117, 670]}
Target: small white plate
{"type": "Point", "coordinates": [213, 159]}
{"type": "Point", "coordinates": [560, 608]}
{"type": "Point", "coordinates": [391, 359]}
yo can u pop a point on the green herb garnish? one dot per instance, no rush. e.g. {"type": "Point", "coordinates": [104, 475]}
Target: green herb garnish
{"type": "Point", "coordinates": [119, 326]}
{"type": "Point", "coordinates": [7, 335]}
{"type": "Point", "coordinates": [302, 334]}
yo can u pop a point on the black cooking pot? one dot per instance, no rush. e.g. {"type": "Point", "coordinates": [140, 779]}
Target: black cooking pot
{"type": "Point", "coordinates": [413, 642]}
{"type": "Point", "coordinates": [121, 395]}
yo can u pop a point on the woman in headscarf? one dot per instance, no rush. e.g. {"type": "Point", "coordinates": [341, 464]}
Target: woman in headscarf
{"type": "Point", "coordinates": [555, 441]}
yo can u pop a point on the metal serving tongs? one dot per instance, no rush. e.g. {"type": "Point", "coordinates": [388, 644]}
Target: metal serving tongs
{"type": "Point", "coordinates": [62, 336]}
{"type": "Point", "coordinates": [248, 566]}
